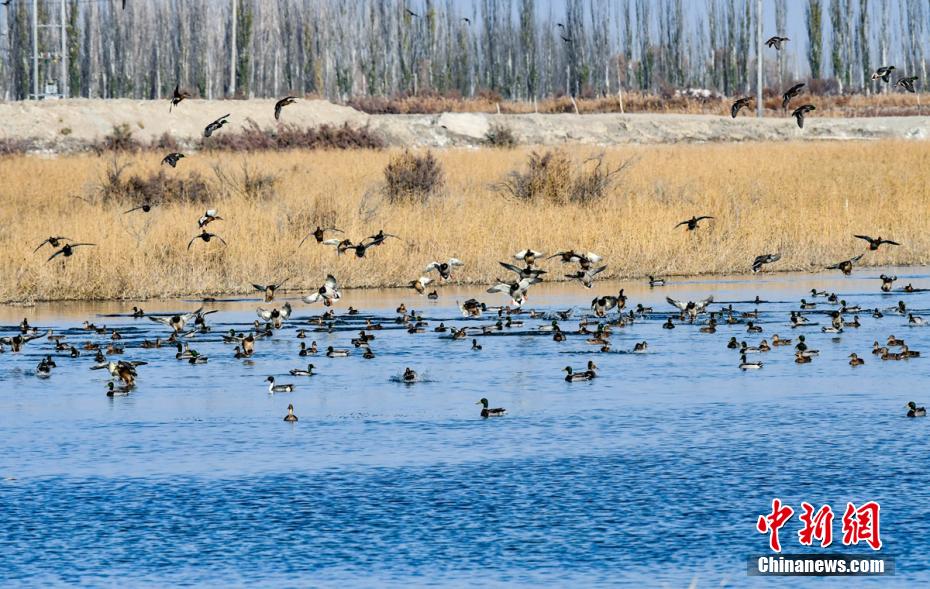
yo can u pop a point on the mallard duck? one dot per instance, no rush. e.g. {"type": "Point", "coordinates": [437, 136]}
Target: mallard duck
{"type": "Point", "coordinates": [17, 341]}
{"type": "Point", "coordinates": [753, 328]}
{"type": "Point", "coordinates": [777, 341]}
{"type": "Point", "coordinates": [278, 388]}
{"type": "Point", "coordinates": [907, 83]}
{"type": "Point", "coordinates": [744, 364]}
{"type": "Point", "coordinates": [764, 259]}
{"type": "Point", "coordinates": [117, 391]}
{"type": "Point", "coordinates": [125, 371]}
{"type": "Point", "coordinates": [44, 369]}
{"type": "Point", "coordinates": [209, 216]}
{"type": "Point", "coordinates": [640, 347]}
{"type": "Point", "coordinates": [691, 308]}
{"type": "Point", "coordinates": [909, 353]}
{"type": "Point", "coordinates": [177, 322]}
{"type": "Point", "coordinates": [586, 277]}
{"type": "Point", "coordinates": [137, 313]}
{"type": "Point", "coordinates": [215, 125]}
{"type": "Point", "coordinates": [914, 411]}
{"type": "Point", "coordinates": [668, 324]}
{"type": "Point", "coordinates": [855, 360]}
{"type": "Point", "coordinates": [328, 293]}
{"type": "Point", "coordinates": [472, 308]}
{"type": "Point", "coordinates": [571, 376]}
{"type": "Point", "coordinates": [178, 95]}
{"type": "Point", "coordinates": [764, 346]}
{"type": "Point", "coordinates": [53, 241]}
{"type": "Point", "coordinates": [654, 282]}
{"type": "Point", "coordinates": [914, 320]}
{"type": "Point", "coordinates": [420, 284]}
{"type": "Point", "coordinates": [893, 341]}
{"type": "Point", "coordinates": [516, 290]}
{"type": "Point", "coordinates": [409, 375]}
{"type": "Point", "coordinates": [791, 93]}
{"type": "Point", "coordinates": [883, 73]}
{"type": "Point", "coordinates": [290, 417]}
{"type": "Point", "coordinates": [172, 160]}
{"type": "Point", "coordinates": [603, 305]}
{"type": "Point", "coordinates": [444, 268]}
{"type": "Point", "coordinates": [319, 233]}
{"type": "Point", "coordinates": [332, 352]}
{"type": "Point", "coordinates": [485, 412]}
{"type": "Point", "coordinates": [559, 335]}
{"type": "Point", "coordinates": [528, 256]}
{"type": "Point", "coordinates": [776, 42]}
{"type": "Point", "coordinates": [801, 358]}
{"type": "Point", "coordinates": [475, 345]}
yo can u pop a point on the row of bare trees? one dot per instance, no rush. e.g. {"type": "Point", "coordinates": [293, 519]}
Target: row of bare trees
{"type": "Point", "coordinates": [519, 49]}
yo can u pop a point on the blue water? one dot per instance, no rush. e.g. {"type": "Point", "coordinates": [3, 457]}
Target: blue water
{"type": "Point", "coordinates": [653, 474]}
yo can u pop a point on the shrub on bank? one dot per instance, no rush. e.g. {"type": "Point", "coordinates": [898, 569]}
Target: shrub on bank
{"type": "Point", "coordinates": [412, 178]}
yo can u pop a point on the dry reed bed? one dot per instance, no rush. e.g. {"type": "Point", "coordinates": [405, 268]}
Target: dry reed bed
{"type": "Point", "coordinates": [804, 200]}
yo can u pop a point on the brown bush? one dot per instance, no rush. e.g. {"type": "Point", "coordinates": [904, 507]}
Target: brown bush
{"type": "Point", "coordinates": [500, 136]}
{"type": "Point", "coordinates": [553, 177]}
{"type": "Point", "coordinates": [412, 178]}
{"type": "Point", "coordinates": [250, 183]}
{"type": "Point", "coordinates": [288, 136]}
{"type": "Point", "coordinates": [15, 146]}
{"type": "Point", "coordinates": [157, 188]}
{"type": "Point", "coordinates": [120, 139]}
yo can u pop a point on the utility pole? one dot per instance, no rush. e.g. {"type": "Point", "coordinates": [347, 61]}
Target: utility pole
{"type": "Point", "coordinates": [759, 106]}
{"type": "Point", "coordinates": [35, 49]}
{"type": "Point", "coordinates": [232, 53]}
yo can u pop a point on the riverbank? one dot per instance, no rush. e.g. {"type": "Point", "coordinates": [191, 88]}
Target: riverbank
{"type": "Point", "coordinates": [69, 126]}
{"type": "Point", "coordinates": [804, 201]}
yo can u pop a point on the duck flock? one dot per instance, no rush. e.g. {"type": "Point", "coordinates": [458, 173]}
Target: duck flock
{"type": "Point", "coordinates": [605, 315]}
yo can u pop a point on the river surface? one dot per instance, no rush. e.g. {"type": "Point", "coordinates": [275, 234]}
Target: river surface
{"type": "Point", "coordinates": [652, 474]}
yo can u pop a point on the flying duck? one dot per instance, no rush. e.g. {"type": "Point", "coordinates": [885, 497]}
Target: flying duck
{"type": "Point", "coordinates": [845, 266]}
{"type": "Point", "coordinates": [887, 282]}
{"type": "Point", "coordinates": [328, 293]}
{"type": "Point", "coordinates": [485, 412]}
{"type": "Point", "coordinates": [420, 284]}
{"type": "Point", "coordinates": [876, 242]}
{"type": "Point", "coordinates": [692, 223]}
{"type": "Point", "coordinates": [269, 289]}
{"type": "Point", "coordinates": [319, 233]}
{"type": "Point", "coordinates": [907, 83]}
{"type": "Point", "coordinates": [602, 305]}
{"type": "Point", "coordinates": [67, 250]}
{"type": "Point", "coordinates": [586, 277]}
{"type": "Point", "coordinates": [739, 104]}
{"type": "Point", "coordinates": [144, 207]}
{"type": "Point", "coordinates": [883, 73]}
{"type": "Point", "coordinates": [215, 125]}
{"type": "Point", "coordinates": [790, 93]}
{"type": "Point", "coordinates": [279, 106]}
{"type": "Point", "coordinates": [693, 309]}
{"type": "Point", "coordinates": [444, 268]}
{"type": "Point", "coordinates": [801, 111]}
{"type": "Point", "coordinates": [776, 42]}
{"type": "Point", "coordinates": [172, 160]}
{"type": "Point", "coordinates": [208, 217]}
{"type": "Point", "coordinates": [764, 259]}
{"type": "Point", "coordinates": [528, 256]}
{"type": "Point", "coordinates": [178, 96]}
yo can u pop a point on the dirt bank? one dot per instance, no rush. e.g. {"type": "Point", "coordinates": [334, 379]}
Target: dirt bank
{"type": "Point", "coordinates": [66, 125]}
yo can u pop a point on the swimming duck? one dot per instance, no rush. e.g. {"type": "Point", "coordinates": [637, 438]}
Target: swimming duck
{"type": "Point", "coordinates": [846, 266]}
{"type": "Point", "coordinates": [304, 350]}
{"type": "Point", "coordinates": [290, 417]}
{"type": "Point", "coordinates": [668, 324]}
{"type": "Point", "coordinates": [654, 282]}
{"type": "Point", "coordinates": [806, 305]}
{"type": "Point", "coordinates": [117, 391]}
{"type": "Point", "coordinates": [818, 293]}
{"type": "Point", "coordinates": [302, 372]}
{"type": "Point", "coordinates": [639, 347]}
{"type": "Point", "coordinates": [472, 308]}
{"type": "Point", "coordinates": [801, 358]}
{"type": "Point", "coordinates": [475, 345]}
{"type": "Point", "coordinates": [485, 412]}
{"type": "Point", "coordinates": [444, 268]}
{"type": "Point", "coordinates": [797, 320]}
{"type": "Point", "coordinates": [908, 353]}
{"type": "Point", "coordinates": [441, 328]}
{"type": "Point", "coordinates": [764, 346]}
{"type": "Point", "coordinates": [332, 352]}
{"type": "Point", "coordinates": [368, 354]}
{"type": "Point", "coordinates": [732, 344]}
{"type": "Point", "coordinates": [854, 323]}
{"type": "Point", "coordinates": [753, 328]}
{"type": "Point", "coordinates": [17, 341]}
{"type": "Point", "coordinates": [893, 341]}
{"type": "Point", "coordinates": [876, 314]}
{"type": "Point", "coordinates": [559, 335]}
{"type": "Point", "coordinates": [328, 293]}
{"type": "Point", "coordinates": [744, 364]}
{"type": "Point", "coordinates": [571, 376]}
{"type": "Point", "coordinates": [844, 308]}
{"type": "Point", "coordinates": [877, 349]}
{"type": "Point", "coordinates": [831, 329]}
{"type": "Point", "coordinates": [855, 360]}
{"type": "Point", "coordinates": [909, 288]}
{"type": "Point", "coordinates": [777, 341]}
{"type": "Point", "coordinates": [44, 369]}
{"type": "Point", "coordinates": [433, 295]}
{"type": "Point", "coordinates": [409, 375]}
{"type": "Point", "coordinates": [913, 320]}
{"type": "Point", "coordinates": [642, 311]}
{"type": "Point", "coordinates": [278, 388]}
{"type": "Point", "coordinates": [914, 411]}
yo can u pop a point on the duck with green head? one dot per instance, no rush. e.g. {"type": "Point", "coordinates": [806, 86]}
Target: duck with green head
{"type": "Point", "coordinates": [914, 411]}
{"type": "Point", "coordinates": [485, 412]}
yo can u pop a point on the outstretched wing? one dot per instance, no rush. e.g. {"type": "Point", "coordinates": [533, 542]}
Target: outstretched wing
{"type": "Point", "coordinates": [679, 304]}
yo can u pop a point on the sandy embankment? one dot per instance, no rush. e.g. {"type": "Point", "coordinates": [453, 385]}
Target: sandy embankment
{"type": "Point", "coordinates": [64, 125]}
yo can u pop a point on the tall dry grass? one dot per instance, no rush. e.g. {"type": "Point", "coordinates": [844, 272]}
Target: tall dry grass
{"type": "Point", "coordinates": [802, 199]}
